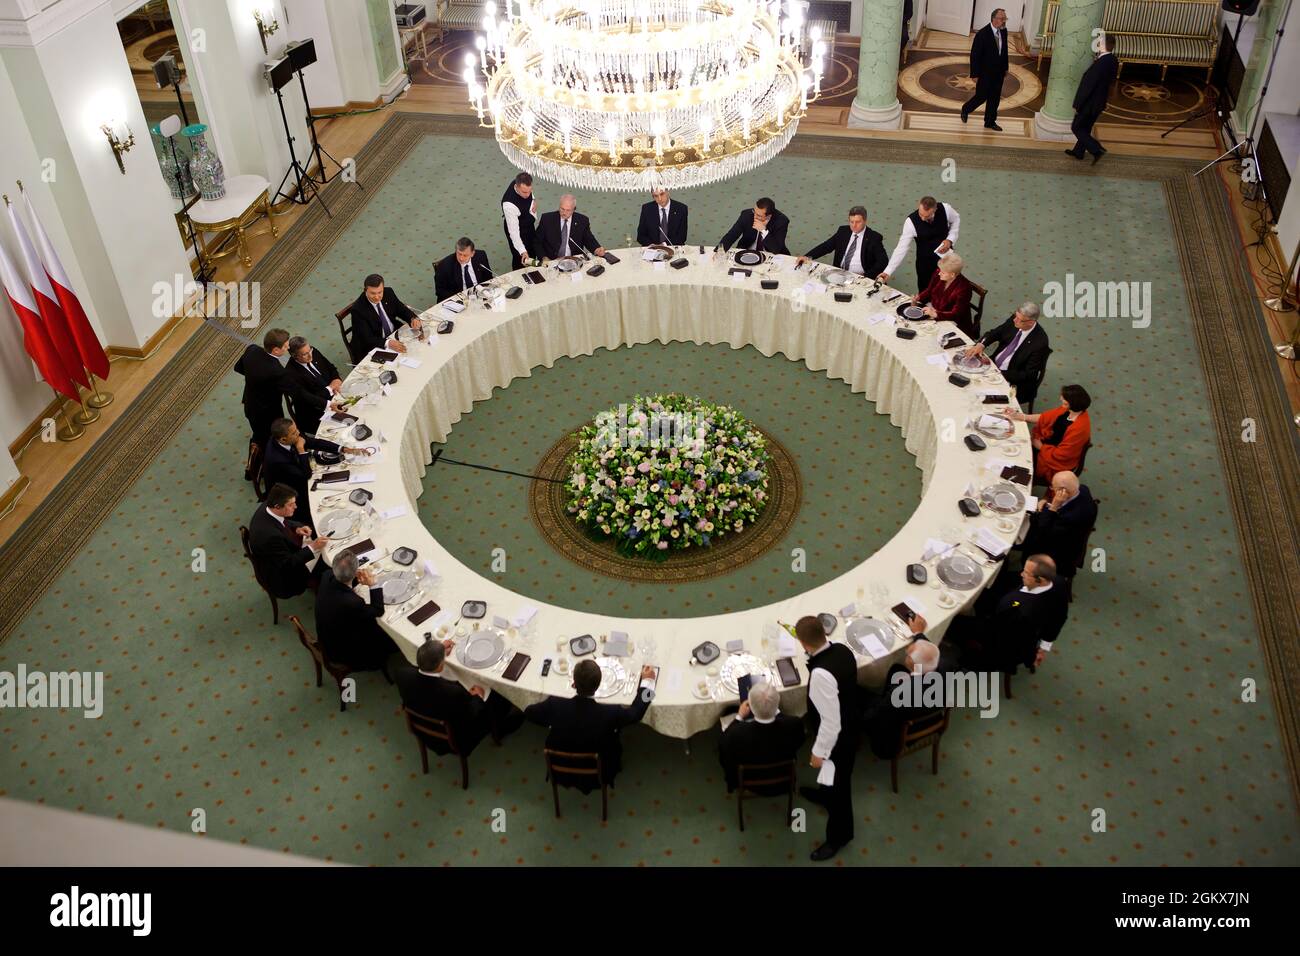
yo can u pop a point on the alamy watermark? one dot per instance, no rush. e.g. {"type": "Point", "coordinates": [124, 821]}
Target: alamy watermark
{"type": "Point", "coordinates": [935, 690]}
{"type": "Point", "coordinates": [630, 427]}
{"type": "Point", "coordinates": [75, 690]}
{"type": "Point", "coordinates": [1082, 299]}
{"type": "Point", "coordinates": [222, 300]}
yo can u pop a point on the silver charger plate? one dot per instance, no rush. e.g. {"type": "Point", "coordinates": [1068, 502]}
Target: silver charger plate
{"type": "Point", "coordinates": [913, 312]}
{"type": "Point", "coordinates": [360, 387]}
{"type": "Point", "coordinates": [865, 627]}
{"type": "Point", "coordinates": [481, 649]}
{"type": "Point", "coordinates": [340, 525]}
{"type": "Point", "coordinates": [1006, 430]}
{"type": "Point", "coordinates": [968, 364]}
{"type": "Point", "coordinates": [613, 675]}
{"type": "Point", "coordinates": [568, 264]}
{"type": "Point", "coordinates": [1004, 498]}
{"type": "Point", "coordinates": [836, 277]}
{"type": "Point", "coordinates": [399, 586]}
{"type": "Point", "coordinates": [748, 257]}
{"type": "Point", "coordinates": [958, 571]}
{"type": "Point", "coordinates": [658, 253]}
{"type": "Point", "coordinates": [737, 665]}
{"type": "Point", "coordinates": [407, 334]}
{"type": "Point", "coordinates": [488, 292]}
{"type": "Point", "coordinates": [361, 459]}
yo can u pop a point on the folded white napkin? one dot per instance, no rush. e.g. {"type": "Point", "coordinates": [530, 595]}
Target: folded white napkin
{"type": "Point", "coordinates": [939, 358]}
{"type": "Point", "coordinates": [826, 775]}
{"type": "Point", "coordinates": [933, 547]}
{"type": "Point", "coordinates": [410, 362]}
{"type": "Point", "coordinates": [875, 649]}
{"type": "Point", "coordinates": [524, 615]}
{"type": "Point", "coordinates": [786, 646]}
{"type": "Point", "coordinates": [395, 512]}
{"type": "Point", "coordinates": [878, 317]}
{"type": "Point", "coordinates": [361, 477]}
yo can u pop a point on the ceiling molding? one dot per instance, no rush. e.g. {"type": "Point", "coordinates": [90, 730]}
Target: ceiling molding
{"type": "Point", "coordinates": [42, 25]}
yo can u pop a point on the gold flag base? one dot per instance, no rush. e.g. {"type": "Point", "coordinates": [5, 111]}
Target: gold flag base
{"type": "Point", "coordinates": [70, 431]}
{"type": "Point", "coordinates": [87, 415]}
{"type": "Point", "coordinates": [98, 398]}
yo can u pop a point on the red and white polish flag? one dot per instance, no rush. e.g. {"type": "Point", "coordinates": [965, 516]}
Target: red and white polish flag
{"type": "Point", "coordinates": [47, 305]}
{"type": "Point", "coordinates": [91, 351]}
{"type": "Point", "coordinates": [35, 339]}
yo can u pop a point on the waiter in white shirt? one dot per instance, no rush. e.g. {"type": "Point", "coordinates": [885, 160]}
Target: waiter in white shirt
{"type": "Point", "coordinates": [934, 227]}
{"type": "Point", "coordinates": [834, 719]}
{"type": "Point", "coordinates": [519, 219]}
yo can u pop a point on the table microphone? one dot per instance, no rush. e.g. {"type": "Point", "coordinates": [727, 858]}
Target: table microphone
{"type": "Point", "coordinates": [581, 251]}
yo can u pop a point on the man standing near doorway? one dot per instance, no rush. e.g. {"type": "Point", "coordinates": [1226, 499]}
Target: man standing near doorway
{"type": "Point", "coordinates": [988, 68]}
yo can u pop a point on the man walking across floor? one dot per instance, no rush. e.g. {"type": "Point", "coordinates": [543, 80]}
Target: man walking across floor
{"type": "Point", "coordinates": [1090, 100]}
{"type": "Point", "coordinates": [833, 719]}
{"type": "Point", "coordinates": [988, 67]}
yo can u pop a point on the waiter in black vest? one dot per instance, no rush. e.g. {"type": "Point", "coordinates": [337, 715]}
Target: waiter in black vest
{"type": "Point", "coordinates": [988, 67]}
{"type": "Point", "coordinates": [833, 718]}
{"type": "Point", "coordinates": [518, 218]}
{"type": "Point", "coordinates": [934, 226]}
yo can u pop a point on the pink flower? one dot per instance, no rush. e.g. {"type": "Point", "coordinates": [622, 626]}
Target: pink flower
{"type": "Point", "coordinates": [629, 481]}
{"type": "Point", "coordinates": [643, 467]}
{"type": "Point", "coordinates": [672, 499]}
{"type": "Point", "coordinates": [662, 546]}
{"type": "Point", "coordinates": [699, 484]}
{"type": "Point", "coordinates": [668, 521]}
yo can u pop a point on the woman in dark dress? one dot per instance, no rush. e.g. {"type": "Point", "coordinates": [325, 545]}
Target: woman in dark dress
{"type": "Point", "coordinates": [947, 297]}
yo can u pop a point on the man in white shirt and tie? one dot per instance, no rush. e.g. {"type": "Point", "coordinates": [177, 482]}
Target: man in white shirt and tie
{"type": "Point", "coordinates": [663, 220]}
{"type": "Point", "coordinates": [1022, 352]}
{"type": "Point", "coordinates": [376, 316]}
{"type": "Point", "coordinates": [855, 248]}
{"type": "Point", "coordinates": [461, 271]}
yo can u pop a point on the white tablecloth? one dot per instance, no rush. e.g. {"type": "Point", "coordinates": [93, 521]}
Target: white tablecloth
{"type": "Point", "coordinates": [634, 303]}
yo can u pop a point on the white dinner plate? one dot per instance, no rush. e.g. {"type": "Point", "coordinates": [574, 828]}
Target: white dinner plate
{"type": "Point", "coordinates": [340, 525]}
{"type": "Point", "coordinates": [613, 675]}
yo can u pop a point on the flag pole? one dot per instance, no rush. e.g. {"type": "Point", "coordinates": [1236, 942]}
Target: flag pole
{"type": "Point", "coordinates": [97, 398]}
{"type": "Point", "coordinates": [71, 430]}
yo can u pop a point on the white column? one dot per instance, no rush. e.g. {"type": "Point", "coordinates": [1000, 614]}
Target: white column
{"type": "Point", "coordinates": [226, 61]}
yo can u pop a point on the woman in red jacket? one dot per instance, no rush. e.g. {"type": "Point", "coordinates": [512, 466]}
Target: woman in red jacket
{"type": "Point", "coordinates": [948, 296]}
{"type": "Point", "coordinates": [1061, 434]}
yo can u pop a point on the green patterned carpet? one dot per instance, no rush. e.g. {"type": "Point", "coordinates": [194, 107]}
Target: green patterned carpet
{"type": "Point", "coordinates": [859, 483]}
{"type": "Point", "coordinates": [1138, 711]}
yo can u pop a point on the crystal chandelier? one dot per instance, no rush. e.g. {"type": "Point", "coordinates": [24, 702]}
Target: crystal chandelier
{"type": "Point", "coordinates": [623, 95]}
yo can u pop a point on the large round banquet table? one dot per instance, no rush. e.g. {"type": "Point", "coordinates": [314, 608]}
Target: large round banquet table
{"type": "Point", "coordinates": [497, 339]}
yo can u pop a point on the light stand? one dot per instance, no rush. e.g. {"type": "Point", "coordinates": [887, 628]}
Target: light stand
{"type": "Point", "coordinates": [307, 188]}
{"type": "Point", "coordinates": [317, 149]}
{"type": "Point", "coordinates": [1281, 302]}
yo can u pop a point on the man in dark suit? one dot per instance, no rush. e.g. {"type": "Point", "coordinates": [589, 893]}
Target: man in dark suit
{"type": "Point", "coordinates": [472, 714]}
{"type": "Point", "coordinates": [1062, 522]}
{"type": "Point", "coordinates": [854, 247]}
{"type": "Point", "coordinates": [376, 316]}
{"type": "Point", "coordinates": [884, 718]}
{"type": "Point", "coordinates": [834, 719]}
{"type": "Point", "coordinates": [663, 220]}
{"type": "Point", "coordinates": [1022, 351]}
{"type": "Point", "coordinates": [988, 67]}
{"type": "Point", "coordinates": [282, 549]}
{"type": "Point", "coordinates": [347, 626]}
{"type": "Point", "coordinates": [583, 725]}
{"type": "Point", "coordinates": [460, 271]}
{"type": "Point", "coordinates": [1090, 100]}
{"type": "Point", "coordinates": [566, 232]}
{"type": "Point", "coordinates": [263, 371]}
{"type": "Point", "coordinates": [760, 734]}
{"type": "Point", "coordinates": [287, 461]}
{"type": "Point", "coordinates": [312, 384]}
{"type": "Point", "coordinates": [1016, 626]}
{"type": "Point", "coordinates": [762, 228]}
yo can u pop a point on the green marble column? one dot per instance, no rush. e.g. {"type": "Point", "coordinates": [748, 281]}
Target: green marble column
{"type": "Point", "coordinates": [1265, 26]}
{"type": "Point", "coordinates": [1071, 56]}
{"type": "Point", "coordinates": [876, 106]}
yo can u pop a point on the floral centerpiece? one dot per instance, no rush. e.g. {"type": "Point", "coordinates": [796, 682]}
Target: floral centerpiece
{"type": "Point", "coordinates": [667, 473]}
